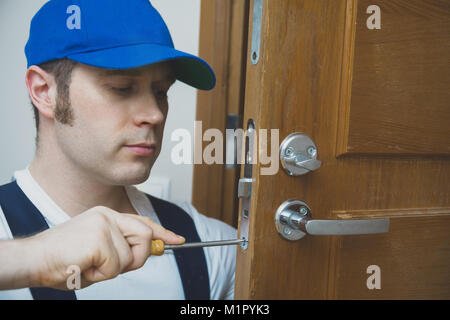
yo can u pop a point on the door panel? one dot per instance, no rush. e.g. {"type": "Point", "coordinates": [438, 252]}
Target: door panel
{"type": "Point", "coordinates": [407, 270]}
{"type": "Point", "coordinates": [308, 80]}
{"type": "Point", "coordinates": [398, 92]}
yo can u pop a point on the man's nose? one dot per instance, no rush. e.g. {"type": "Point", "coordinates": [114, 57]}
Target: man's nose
{"type": "Point", "coordinates": [148, 112]}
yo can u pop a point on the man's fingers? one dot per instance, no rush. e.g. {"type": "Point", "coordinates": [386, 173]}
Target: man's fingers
{"type": "Point", "coordinates": [159, 232]}
{"type": "Point", "coordinates": [106, 266]}
{"type": "Point", "coordinates": [141, 252]}
{"type": "Point", "coordinates": [138, 236]}
{"type": "Point", "coordinates": [132, 237]}
{"type": "Point", "coordinates": [122, 247]}
{"type": "Point", "coordinates": [139, 233]}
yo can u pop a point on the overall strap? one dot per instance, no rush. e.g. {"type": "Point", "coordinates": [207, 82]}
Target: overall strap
{"type": "Point", "coordinates": [24, 220]}
{"type": "Point", "coordinates": [191, 262]}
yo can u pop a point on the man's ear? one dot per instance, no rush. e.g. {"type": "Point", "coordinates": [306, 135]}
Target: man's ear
{"type": "Point", "coordinates": [42, 90]}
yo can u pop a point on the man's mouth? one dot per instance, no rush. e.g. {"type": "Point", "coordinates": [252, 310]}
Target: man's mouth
{"type": "Point", "coordinates": [142, 149]}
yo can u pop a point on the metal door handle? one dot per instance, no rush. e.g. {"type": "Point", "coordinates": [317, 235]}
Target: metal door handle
{"type": "Point", "coordinates": [293, 221]}
{"type": "Point", "coordinates": [334, 227]}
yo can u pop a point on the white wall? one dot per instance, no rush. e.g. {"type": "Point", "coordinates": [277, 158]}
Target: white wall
{"type": "Point", "coordinates": [17, 128]}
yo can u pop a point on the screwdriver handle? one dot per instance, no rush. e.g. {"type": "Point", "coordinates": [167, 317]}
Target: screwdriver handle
{"type": "Point", "coordinates": [157, 248]}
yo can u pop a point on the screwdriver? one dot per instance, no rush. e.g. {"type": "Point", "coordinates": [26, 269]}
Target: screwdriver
{"type": "Point", "coordinates": [158, 246]}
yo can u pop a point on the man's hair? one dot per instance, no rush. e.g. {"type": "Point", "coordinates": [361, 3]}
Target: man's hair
{"type": "Point", "coordinates": [61, 70]}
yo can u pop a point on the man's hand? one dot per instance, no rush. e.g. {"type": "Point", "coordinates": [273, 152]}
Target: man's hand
{"type": "Point", "coordinates": [103, 243]}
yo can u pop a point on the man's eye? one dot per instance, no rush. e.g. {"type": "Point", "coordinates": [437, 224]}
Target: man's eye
{"type": "Point", "coordinates": [123, 90]}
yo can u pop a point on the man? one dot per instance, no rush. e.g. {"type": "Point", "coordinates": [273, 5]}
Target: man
{"type": "Point", "coordinates": [98, 76]}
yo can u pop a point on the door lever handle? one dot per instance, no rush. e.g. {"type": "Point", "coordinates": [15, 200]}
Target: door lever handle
{"type": "Point", "coordinates": [334, 227]}
{"type": "Point", "coordinates": [293, 221]}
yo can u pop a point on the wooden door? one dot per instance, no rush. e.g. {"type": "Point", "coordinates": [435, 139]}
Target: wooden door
{"type": "Point", "coordinates": [376, 102]}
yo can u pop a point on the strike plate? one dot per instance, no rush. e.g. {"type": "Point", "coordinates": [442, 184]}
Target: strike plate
{"type": "Point", "coordinates": [245, 184]}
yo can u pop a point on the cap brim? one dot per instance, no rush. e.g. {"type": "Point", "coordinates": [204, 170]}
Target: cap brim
{"type": "Point", "coordinates": [188, 68]}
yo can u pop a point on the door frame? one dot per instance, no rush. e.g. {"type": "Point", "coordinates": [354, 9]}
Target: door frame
{"type": "Point", "coordinates": [223, 43]}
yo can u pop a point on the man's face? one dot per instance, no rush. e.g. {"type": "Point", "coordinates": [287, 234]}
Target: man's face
{"type": "Point", "coordinates": [113, 111]}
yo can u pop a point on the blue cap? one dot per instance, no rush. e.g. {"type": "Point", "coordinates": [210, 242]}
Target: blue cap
{"type": "Point", "coordinates": [112, 34]}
